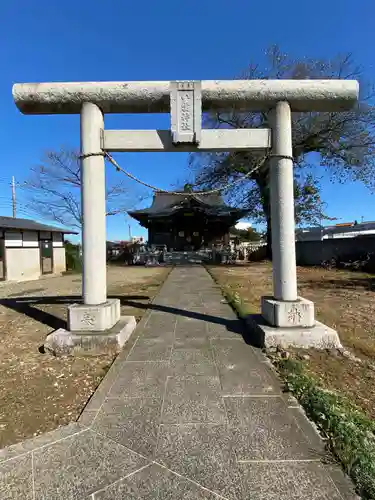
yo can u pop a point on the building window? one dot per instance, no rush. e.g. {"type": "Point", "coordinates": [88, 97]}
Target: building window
{"type": "Point", "coordinates": [58, 239]}
{"type": "Point", "coordinates": [30, 239]}
{"type": "Point", "coordinates": [13, 239]}
{"type": "Point", "coordinates": [45, 235]}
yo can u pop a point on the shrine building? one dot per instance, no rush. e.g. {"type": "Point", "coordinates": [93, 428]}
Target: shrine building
{"type": "Point", "coordinates": [184, 222]}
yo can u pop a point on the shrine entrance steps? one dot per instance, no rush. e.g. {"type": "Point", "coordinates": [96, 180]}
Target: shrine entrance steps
{"type": "Point", "coordinates": [187, 411]}
{"type": "Point", "coordinates": [186, 258]}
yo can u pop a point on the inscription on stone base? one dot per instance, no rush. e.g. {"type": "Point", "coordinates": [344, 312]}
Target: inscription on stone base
{"type": "Point", "coordinates": [294, 315]}
{"type": "Point", "coordinates": [83, 317]}
{"type": "Point", "coordinates": [288, 314]}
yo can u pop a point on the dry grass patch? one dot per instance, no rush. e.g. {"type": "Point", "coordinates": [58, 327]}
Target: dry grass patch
{"type": "Point", "coordinates": [39, 392]}
{"type": "Point", "coordinates": [343, 300]}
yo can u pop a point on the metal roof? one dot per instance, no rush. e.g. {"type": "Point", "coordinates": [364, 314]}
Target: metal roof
{"type": "Point", "coordinates": [30, 225]}
{"type": "Point", "coordinates": [167, 203]}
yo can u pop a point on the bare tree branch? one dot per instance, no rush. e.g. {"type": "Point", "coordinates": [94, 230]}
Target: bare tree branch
{"type": "Point", "coordinates": [54, 190]}
{"type": "Point", "coordinates": [344, 141]}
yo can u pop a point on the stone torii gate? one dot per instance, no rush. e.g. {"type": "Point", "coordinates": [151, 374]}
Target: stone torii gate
{"type": "Point", "coordinates": [289, 319]}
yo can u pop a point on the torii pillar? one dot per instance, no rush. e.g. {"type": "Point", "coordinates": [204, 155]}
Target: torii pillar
{"type": "Point", "coordinates": [287, 318]}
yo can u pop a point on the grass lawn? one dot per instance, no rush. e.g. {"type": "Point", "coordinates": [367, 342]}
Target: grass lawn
{"type": "Point", "coordinates": [343, 300]}
{"type": "Point", "coordinates": [39, 392]}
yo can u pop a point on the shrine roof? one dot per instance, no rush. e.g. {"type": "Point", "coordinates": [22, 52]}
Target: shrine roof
{"type": "Point", "coordinates": [168, 203]}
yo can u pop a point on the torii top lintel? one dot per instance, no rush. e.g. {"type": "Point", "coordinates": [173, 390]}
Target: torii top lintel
{"type": "Point", "coordinates": [154, 97]}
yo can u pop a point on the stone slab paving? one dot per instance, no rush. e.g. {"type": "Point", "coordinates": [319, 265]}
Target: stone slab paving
{"type": "Point", "coordinates": [187, 411]}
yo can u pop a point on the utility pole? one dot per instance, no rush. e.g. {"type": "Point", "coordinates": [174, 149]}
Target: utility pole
{"type": "Point", "coordinates": [14, 196]}
{"type": "Point", "coordinates": [130, 232]}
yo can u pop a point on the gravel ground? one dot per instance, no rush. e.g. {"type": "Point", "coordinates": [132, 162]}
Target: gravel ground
{"type": "Point", "coordinates": [39, 392]}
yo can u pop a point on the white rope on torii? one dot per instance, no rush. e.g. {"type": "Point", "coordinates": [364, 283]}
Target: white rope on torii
{"type": "Point", "coordinates": [185, 101]}
{"type": "Point", "coordinates": [131, 176]}
{"type": "Point", "coordinates": [194, 193]}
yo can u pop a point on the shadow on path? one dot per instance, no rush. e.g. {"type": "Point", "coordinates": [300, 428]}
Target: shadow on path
{"type": "Point", "coordinates": [232, 325]}
{"type": "Point", "coordinates": [27, 309]}
{"type": "Point", "coordinates": [26, 305]}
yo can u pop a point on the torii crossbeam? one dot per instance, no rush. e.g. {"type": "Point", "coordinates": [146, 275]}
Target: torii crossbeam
{"type": "Point", "coordinates": [288, 317]}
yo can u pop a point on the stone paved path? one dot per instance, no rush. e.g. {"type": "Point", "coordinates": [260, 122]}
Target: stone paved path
{"type": "Point", "coordinates": [187, 411]}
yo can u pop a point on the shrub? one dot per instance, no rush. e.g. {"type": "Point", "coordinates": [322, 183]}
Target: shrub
{"type": "Point", "coordinates": [350, 434]}
{"type": "Point", "coordinates": [73, 257]}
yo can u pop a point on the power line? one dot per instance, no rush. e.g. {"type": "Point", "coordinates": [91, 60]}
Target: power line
{"type": "Point", "coordinates": [24, 210]}
{"type": "Point", "coordinates": [28, 215]}
{"type": "Point", "coordinates": [20, 211]}
{"type": "Point", "coordinates": [5, 199]}
{"type": "Point", "coordinates": [20, 206]}
{"type": "Point", "coordinates": [15, 205]}
{"type": "Point", "coordinates": [12, 184]}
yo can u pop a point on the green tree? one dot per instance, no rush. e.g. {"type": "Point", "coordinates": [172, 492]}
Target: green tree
{"type": "Point", "coordinates": [343, 141]}
{"type": "Point", "coordinates": [188, 188]}
{"type": "Point", "coordinates": [73, 256]}
{"type": "Point", "coordinates": [249, 234]}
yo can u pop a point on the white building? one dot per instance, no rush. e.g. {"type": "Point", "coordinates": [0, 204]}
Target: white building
{"type": "Point", "coordinates": [29, 250]}
{"type": "Point", "coordinates": [242, 225]}
{"type": "Point", "coordinates": [137, 239]}
{"type": "Point", "coordinates": [345, 230]}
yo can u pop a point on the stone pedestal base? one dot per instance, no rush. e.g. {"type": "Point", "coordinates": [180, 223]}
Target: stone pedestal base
{"type": "Point", "coordinates": [299, 313]}
{"type": "Point", "coordinates": [263, 335]}
{"type": "Point", "coordinates": [98, 318]}
{"type": "Point", "coordinates": [63, 342]}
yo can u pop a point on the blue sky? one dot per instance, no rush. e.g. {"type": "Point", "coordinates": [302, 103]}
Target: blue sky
{"type": "Point", "coordinates": [165, 40]}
